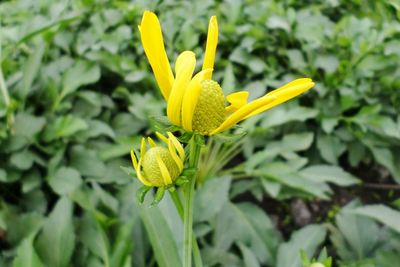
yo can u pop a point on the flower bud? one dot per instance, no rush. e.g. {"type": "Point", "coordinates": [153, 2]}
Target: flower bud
{"type": "Point", "coordinates": [159, 166]}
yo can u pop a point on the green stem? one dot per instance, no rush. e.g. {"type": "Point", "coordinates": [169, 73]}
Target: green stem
{"type": "Point", "coordinates": [196, 251]}
{"type": "Point", "coordinates": [194, 156]}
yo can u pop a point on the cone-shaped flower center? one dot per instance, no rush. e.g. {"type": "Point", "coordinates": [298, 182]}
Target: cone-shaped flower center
{"type": "Point", "coordinates": [210, 108]}
{"type": "Point", "coordinates": [151, 167]}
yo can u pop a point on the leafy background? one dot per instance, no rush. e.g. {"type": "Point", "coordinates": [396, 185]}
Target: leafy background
{"type": "Point", "coordinates": [321, 171]}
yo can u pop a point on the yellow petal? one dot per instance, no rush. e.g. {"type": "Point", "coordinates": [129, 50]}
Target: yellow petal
{"type": "Point", "coordinates": [241, 113]}
{"type": "Point", "coordinates": [184, 68]}
{"type": "Point", "coordinates": [177, 145]}
{"type": "Point", "coordinates": [134, 160]}
{"type": "Point", "coordinates": [153, 45]}
{"type": "Point", "coordinates": [174, 155]}
{"type": "Point", "coordinates": [162, 137]}
{"type": "Point", "coordinates": [292, 83]}
{"type": "Point", "coordinates": [143, 147]}
{"type": "Point", "coordinates": [164, 171]}
{"type": "Point", "coordinates": [151, 142]}
{"type": "Point", "coordinates": [285, 94]}
{"type": "Point", "coordinates": [237, 100]}
{"type": "Point", "coordinates": [140, 176]}
{"type": "Point", "coordinates": [190, 98]}
{"type": "Point", "coordinates": [211, 46]}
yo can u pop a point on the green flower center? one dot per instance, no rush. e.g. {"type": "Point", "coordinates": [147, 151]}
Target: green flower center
{"type": "Point", "coordinates": [151, 170]}
{"type": "Point", "coordinates": [209, 112]}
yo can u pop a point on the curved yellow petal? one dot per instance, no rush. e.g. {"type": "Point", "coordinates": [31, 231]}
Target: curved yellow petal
{"type": "Point", "coordinates": [153, 45]}
{"type": "Point", "coordinates": [164, 171]}
{"type": "Point", "coordinates": [162, 137]}
{"type": "Point", "coordinates": [177, 145]}
{"type": "Point", "coordinates": [174, 155]}
{"type": "Point", "coordinates": [134, 160]}
{"type": "Point", "coordinates": [143, 147]}
{"type": "Point", "coordinates": [241, 113]}
{"type": "Point", "coordinates": [140, 176]}
{"type": "Point", "coordinates": [151, 142]}
{"type": "Point", "coordinates": [211, 45]}
{"type": "Point", "coordinates": [184, 68]}
{"type": "Point", "coordinates": [190, 98]}
{"type": "Point", "coordinates": [284, 94]}
{"type": "Point", "coordinates": [237, 100]}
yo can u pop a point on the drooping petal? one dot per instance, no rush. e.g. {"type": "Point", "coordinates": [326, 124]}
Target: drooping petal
{"type": "Point", "coordinates": [163, 169]}
{"type": "Point", "coordinates": [184, 68]}
{"type": "Point", "coordinates": [241, 113]}
{"type": "Point", "coordinates": [177, 145]}
{"type": "Point", "coordinates": [211, 45]}
{"type": "Point", "coordinates": [134, 160]}
{"type": "Point", "coordinates": [153, 45]}
{"type": "Point", "coordinates": [190, 98]}
{"type": "Point", "coordinates": [237, 100]}
{"type": "Point", "coordinates": [285, 93]}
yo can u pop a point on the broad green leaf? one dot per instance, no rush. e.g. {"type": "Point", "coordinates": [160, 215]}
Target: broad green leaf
{"type": "Point", "coordinates": [65, 180]}
{"type": "Point", "coordinates": [249, 258]}
{"type": "Point", "coordinates": [214, 190]}
{"type": "Point", "coordinates": [64, 126]}
{"type": "Point", "coordinates": [26, 254]}
{"type": "Point", "coordinates": [56, 241]}
{"type": "Point", "coordinates": [356, 236]}
{"type": "Point", "coordinates": [27, 125]}
{"type": "Point", "coordinates": [332, 174]}
{"type": "Point", "coordinates": [306, 239]}
{"type": "Point", "coordinates": [82, 73]}
{"type": "Point", "coordinates": [382, 214]}
{"type": "Point", "coordinates": [160, 235]}
{"type": "Point", "coordinates": [31, 68]}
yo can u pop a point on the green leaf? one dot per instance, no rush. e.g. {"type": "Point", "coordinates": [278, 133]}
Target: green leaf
{"type": "Point", "coordinates": [297, 142]}
{"type": "Point", "coordinates": [81, 73]}
{"type": "Point", "coordinates": [332, 174]}
{"type": "Point", "coordinates": [215, 189]}
{"type": "Point", "coordinates": [64, 126]}
{"type": "Point", "coordinates": [55, 243]}
{"type": "Point", "coordinates": [26, 254]}
{"type": "Point", "coordinates": [256, 230]}
{"type": "Point", "coordinates": [22, 160]}
{"type": "Point", "coordinates": [356, 236]}
{"type": "Point", "coordinates": [307, 239]}
{"type": "Point", "coordinates": [249, 258]}
{"type": "Point", "coordinates": [382, 214]}
{"type": "Point", "coordinates": [65, 180]}
{"type": "Point", "coordinates": [160, 235]}
{"type": "Point", "coordinates": [31, 68]}
{"type": "Point", "coordinates": [27, 125]}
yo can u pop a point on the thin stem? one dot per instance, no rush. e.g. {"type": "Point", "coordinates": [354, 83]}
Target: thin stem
{"type": "Point", "coordinates": [196, 251]}
{"type": "Point", "coordinates": [188, 204]}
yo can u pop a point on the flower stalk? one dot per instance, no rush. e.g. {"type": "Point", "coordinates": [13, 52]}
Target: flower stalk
{"type": "Point", "coordinates": [194, 156]}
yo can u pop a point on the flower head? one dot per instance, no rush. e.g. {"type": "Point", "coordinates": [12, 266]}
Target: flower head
{"type": "Point", "coordinates": [196, 102]}
{"type": "Point", "coordinates": [159, 166]}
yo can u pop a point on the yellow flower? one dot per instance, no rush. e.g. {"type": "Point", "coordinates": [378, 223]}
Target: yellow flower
{"type": "Point", "coordinates": [159, 166]}
{"type": "Point", "coordinates": [197, 103]}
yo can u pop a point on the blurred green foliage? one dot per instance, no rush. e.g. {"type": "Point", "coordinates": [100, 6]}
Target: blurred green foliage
{"type": "Point", "coordinates": [77, 93]}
